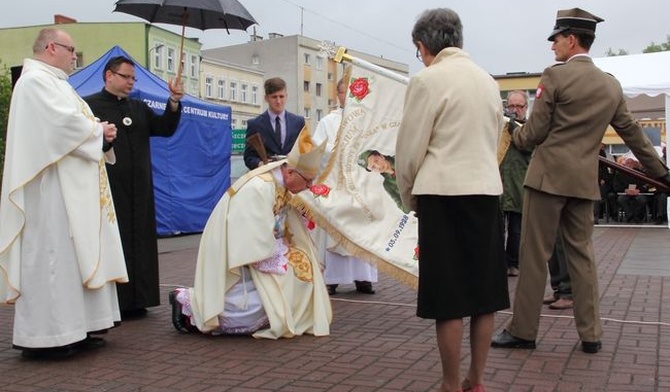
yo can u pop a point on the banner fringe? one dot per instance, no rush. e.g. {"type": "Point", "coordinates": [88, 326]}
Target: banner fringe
{"type": "Point", "coordinates": [395, 272]}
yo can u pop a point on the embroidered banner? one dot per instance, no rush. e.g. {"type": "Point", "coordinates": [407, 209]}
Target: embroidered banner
{"type": "Point", "coordinates": [363, 211]}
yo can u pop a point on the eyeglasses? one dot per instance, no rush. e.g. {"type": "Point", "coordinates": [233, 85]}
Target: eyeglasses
{"type": "Point", "coordinates": [308, 182]}
{"type": "Point", "coordinates": [418, 55]}
{"type": "Point", "coordinates": [127, 77]}
{"type": "Point", "coordinates": [68, 47]}
{"type": "Point", "coordinates": [516, 106]}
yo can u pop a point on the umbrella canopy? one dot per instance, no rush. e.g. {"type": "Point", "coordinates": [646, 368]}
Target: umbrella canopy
{"type": "Point", "coordinates": [200, 14]}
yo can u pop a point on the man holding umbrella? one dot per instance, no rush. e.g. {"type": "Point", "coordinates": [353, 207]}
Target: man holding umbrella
{"type": "Point", "coordinates": [131, 180]}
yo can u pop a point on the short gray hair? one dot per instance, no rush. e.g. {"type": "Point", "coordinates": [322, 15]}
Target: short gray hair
{"type": "Point", "coordinates": [437, 29]}
{"type": "Point", "coordinates": [44, 37]}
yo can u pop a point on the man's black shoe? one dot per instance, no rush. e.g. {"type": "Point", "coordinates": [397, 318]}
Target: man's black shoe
{"type": "Point", "coordinates": [132, 314]}
{"type": "Point", "coordinates": [332, 289]}
{"type": "Point", "coordinates": [591, 347]}
{"type": "Point", "coordinates": [177, 316]}
{"type": "Point", "coordinates": [505, 340]}
{"type": "Point", "coordinates": [363, 286]}
{"type": "Point", "coordinates": [49, 353]}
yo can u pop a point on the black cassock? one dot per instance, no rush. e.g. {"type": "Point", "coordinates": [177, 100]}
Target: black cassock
{"type": "Point", "coordinates": [133, 191]}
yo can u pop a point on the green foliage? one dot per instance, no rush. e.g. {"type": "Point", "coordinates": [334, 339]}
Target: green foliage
{"type": "Point", "coordinates": [620, 52]}
{"type": "Point", "coordinates": [5, 96]}
{"type": "Point", "coordinates": [662, 47]}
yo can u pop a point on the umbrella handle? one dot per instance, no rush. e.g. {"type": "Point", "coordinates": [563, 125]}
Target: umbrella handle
{"type": "Point", "coordinates": [180, 68]}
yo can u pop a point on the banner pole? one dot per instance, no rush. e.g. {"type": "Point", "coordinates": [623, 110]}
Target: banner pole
{"type": "Point", "coordinates": [339, 54]}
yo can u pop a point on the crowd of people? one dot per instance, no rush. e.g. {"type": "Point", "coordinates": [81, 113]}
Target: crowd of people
{"type": "Point", "coordinates": [78, 247]}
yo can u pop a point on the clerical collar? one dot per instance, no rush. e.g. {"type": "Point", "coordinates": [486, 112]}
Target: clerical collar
{"type": "Point", "coordinates": [111, 96]}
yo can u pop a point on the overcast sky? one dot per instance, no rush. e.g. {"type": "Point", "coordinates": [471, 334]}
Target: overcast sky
{"type": "Point", "coordinates": [502, 36]}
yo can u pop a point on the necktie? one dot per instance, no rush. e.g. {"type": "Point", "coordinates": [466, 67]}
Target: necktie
{"type": "Point", "coordinates": [278, 130]}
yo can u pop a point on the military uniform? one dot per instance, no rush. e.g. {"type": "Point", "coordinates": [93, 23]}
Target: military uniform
{"type": "Point", "coordinates": [575, 102]}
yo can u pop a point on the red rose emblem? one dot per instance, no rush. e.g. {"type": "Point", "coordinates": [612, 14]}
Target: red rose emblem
{"type": "Point", "coordinates": [320, 190]}
{"type": "Point", "coordinates": [416, 253]}
{"type": "Point", "coordinates": [359, 88]}
{"type": "Point", "coordinates": [311, 225]}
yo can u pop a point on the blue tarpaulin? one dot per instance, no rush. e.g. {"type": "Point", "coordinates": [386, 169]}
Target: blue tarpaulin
{"type": "Point", "coordinates": [192, 168]}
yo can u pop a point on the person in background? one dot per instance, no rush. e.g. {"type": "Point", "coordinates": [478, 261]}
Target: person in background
{"type": "Point", "coordinates": [631, 193]}
{"type": "Point", "coordinates": [60, 250]}
{"type": "Point", "coordinates": [277, 127]}
{"type": "Point", "coordinates": [131, 178]}
{"type": "Point", "coordinates": [607, 195]}
{"type": "Point", "coordinates": [560, 190]}
{"type": "Point", "coordinates": [341, 266]}
{"type": "Point", "coordinates": [447, 172]}
{"type": "Point", "coordinates": [559, 279]}
{"type": "Point", "coordinates": [513, 171]}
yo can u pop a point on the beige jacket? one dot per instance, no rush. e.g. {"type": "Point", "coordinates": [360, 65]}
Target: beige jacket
{"type": "Point", "coordinates": [448, 138]}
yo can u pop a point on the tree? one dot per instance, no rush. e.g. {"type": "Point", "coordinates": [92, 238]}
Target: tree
{"type": "Point", "coordinates": [662, 47]}
{"type": "Point", "coordinates": [611, 52]}
{"type": "Point", "coordinates": [5, 96]}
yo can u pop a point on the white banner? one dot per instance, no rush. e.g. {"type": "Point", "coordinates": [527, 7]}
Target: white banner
{"type": "Point", "coordinates": [363, 210]}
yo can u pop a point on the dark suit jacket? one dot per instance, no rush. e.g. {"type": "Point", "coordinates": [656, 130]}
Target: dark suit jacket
{"type": "Point", "coordinates": [575, 103]}
{"type": "Point", "coordinates": [263, 126]}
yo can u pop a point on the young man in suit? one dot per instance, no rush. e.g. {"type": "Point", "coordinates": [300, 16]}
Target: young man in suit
{"type": "Point", "coordinates": [277, 127]}
{"type": "Point", "coordinates": [574, 103]}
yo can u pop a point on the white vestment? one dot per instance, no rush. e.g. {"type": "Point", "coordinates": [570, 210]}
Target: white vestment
{"type": "Point", "coordinates": [60, 250]}
{"type": "Point", "coordinates": [341, 266]}
{"type": "Point", "coordinates": [241, 232]}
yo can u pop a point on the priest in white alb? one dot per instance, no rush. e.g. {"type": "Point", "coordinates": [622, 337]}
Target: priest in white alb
{"type": "Point", "coordinates": [60, 250]}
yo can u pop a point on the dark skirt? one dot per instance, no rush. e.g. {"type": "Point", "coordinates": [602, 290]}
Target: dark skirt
{"type": "Point", "coordinates": [462, 269]}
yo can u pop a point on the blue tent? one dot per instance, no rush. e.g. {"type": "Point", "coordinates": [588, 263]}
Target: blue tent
{"type": "Point", "coordinates": [192, 168]}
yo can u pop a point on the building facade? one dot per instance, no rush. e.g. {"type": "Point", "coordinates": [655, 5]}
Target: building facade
{"type": "Point", "coordinates": [140, 40]}
{"type": "Point", "coordinates": [234, 85]}
{"type": "Point", "coordinates": [311, 78]}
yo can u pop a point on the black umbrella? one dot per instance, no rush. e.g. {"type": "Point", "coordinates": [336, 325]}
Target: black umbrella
{"type": "Point", "coordinates": [200, 14]}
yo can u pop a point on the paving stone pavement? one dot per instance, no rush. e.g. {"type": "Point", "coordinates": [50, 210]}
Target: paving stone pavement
{"type": "Point", "coordinates": [377, 343]}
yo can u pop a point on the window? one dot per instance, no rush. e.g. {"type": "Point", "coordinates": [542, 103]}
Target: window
{"type": "Point", "coordinates": [306, 86]}
{"type": "Point", "coordinates": [254, 95]}
{"type": "Point", "coordinates": [170, 60]}
{"type": "Point", "coordinates": [208, 86]}
{"type": "Point", "coordinates": [255, 60]}
{"type": "Point", "coordinates": [194, 66]}
{"type": "Point", "coordinates": [158, 56]}
{"type": "Point", "coordinates": [233, 90]}
{"type": "Point", "coordinates": [306, 112]}
{"type": "Point", "coordinates": [221, 89]}
{"type": "Point", "coordinates": [331, 103]}
{"type": "Point", "coordinates": [233, 123]}
{"type": "Point", "coordinates": [307, 58]}
{"type": "Point", "coordinates": [243, 92]}
{"type": "Point", "coordinates": [319, 63]}
{"type": "Point", "coordinates": [319, 114]}
{"type": "Point", "coordinates": [80, 61]}
{"type": "Point", "coordinates": [244, 123]}
{"type": "Point", "coordinates": [330, 77]}
{"type": "Point", "coordinates": [318, 89]}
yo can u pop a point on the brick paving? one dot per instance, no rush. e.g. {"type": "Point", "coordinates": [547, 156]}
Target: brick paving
{"type": "Point", "coordinates": [376, 342]}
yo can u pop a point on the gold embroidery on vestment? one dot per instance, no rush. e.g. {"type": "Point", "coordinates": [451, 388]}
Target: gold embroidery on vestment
{"type": "Point", "coordinates": [106, 204]}
{"type": "Point", "coordinates": [302, 267]}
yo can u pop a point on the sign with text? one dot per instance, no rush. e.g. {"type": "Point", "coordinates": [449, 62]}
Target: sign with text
{"type": "Point", "coordinates": [239, 142]}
